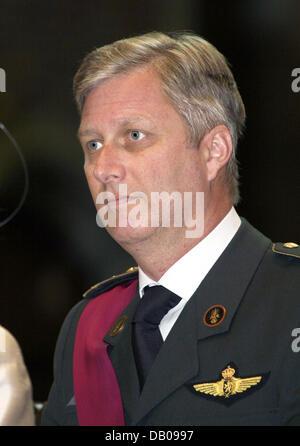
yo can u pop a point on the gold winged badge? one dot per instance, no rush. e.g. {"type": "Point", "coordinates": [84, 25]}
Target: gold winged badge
{"type": "Point", "coordinates": [229, 385]}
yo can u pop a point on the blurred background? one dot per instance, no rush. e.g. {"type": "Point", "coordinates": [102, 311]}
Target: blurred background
{"type": "Point", "coordinates": [52, 251]}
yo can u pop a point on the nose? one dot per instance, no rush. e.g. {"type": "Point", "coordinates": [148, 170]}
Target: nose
{"type": "Point", "coordinates": [109, 166]}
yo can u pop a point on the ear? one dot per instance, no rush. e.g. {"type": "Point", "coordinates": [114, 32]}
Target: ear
{"type": "Point", "coordinates": [217, 146]}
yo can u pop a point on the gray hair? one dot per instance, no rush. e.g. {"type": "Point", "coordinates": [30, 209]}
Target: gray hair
{"type": "Point", "coordinates": [194, 75]}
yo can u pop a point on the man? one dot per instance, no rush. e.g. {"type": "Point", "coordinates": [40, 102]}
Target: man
{"type": "Point", "coordinates": [162, 113]}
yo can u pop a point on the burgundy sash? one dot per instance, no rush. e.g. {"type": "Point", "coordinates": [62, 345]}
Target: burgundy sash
{"type": "Point", "coordinates": [97, 394]}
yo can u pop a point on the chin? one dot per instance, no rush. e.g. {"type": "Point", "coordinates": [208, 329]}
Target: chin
{"type": "Point", "coordinates": [129, 235]}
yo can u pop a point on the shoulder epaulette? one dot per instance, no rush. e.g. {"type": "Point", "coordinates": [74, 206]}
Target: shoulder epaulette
{"type": "Point", "coordinates": [290, 249]}
{"type": "Point", "coordinates": [105, 285]}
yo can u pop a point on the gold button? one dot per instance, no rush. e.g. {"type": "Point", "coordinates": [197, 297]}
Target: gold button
{"type": "Point", "coordinates": [290, 245]}
{"type": "Point", "coordinates": [118, 326]}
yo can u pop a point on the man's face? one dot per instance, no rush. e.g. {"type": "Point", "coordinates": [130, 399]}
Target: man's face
{"type": "Point", "coordinates": [132, 135]}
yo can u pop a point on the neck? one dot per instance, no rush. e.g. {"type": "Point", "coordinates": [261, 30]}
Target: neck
{"type": "Point", "coordinates": [156, 254]}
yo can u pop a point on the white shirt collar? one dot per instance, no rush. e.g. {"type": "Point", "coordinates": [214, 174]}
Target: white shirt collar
{"type": "Point", "coordinates": [184, 277]}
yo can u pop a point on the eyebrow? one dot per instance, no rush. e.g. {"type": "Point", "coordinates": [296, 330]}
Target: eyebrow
{"type": "Point", "coordinates": [121, 121]}
{"type": "Point", "coordinates": [87, 132]}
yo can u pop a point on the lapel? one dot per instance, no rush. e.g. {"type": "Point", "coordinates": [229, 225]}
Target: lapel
{"type": "Point", "coordinates": [234, 270]}
{"type": "Point", "coordinates": [122, 359]}
{"type": "Point", "coordinates": [178, 361]}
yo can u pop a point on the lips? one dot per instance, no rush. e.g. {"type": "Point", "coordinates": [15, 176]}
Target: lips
{"type": "Point", "coordinates": [129, 199]}
{"type": "Point", "coordinates": [117, 200]}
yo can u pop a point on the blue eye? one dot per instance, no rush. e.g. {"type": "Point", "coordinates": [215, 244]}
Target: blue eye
{"type": "Point", "coordinates": [94, 145]}
{"type": "Point", "coordinates": [136, 135]}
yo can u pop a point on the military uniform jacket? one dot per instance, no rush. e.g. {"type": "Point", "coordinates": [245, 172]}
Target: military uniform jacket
{"type": "Point", "coordinates": [230, 359]}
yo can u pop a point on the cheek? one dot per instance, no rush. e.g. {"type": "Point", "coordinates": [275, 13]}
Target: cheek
{"type": "Point", "coordinates": [165, 164]}
{"type": "Point", "coordinates": [192, 176]}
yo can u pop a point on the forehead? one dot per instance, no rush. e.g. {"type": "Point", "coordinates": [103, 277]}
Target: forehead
{"type": "Point", "coordinates": [136, 95]}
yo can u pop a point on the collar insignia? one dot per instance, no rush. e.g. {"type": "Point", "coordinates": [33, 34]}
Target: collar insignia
{"type": "Point", "coordinates": [214, 315]}
{"type": "Point", "coordinates": [229, 385]}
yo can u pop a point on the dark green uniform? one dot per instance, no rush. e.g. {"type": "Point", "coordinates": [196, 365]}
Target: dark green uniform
{"type": "Point", "coordinates": [231, 358]}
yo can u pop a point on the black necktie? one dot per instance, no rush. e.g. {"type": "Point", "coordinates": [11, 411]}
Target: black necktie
{"type": "Point", "coordinates": [147, 339]}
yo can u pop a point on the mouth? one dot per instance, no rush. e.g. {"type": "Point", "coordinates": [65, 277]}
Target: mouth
{"type": "Point", "coordinates": [126, 199]}
{"type": "Point", "coordinates": [117, 201]}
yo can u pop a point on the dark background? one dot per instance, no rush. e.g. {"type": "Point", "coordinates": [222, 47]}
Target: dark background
{"type": "Point", "coordinates": [52, 251]}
